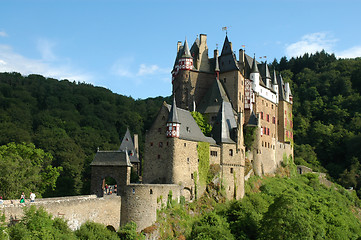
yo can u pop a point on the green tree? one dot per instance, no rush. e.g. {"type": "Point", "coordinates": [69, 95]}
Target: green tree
{"type": "Point", "coordinates": [91, 230]}
{"type": "Point", "coordinates": [211, 226]}
{"type": "Point", "coordinates": [202, 123]}
{"type": "Point", "coordinates": [24, 168]}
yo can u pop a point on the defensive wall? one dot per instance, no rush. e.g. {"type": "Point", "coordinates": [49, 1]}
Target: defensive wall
{"type": "Point", "coordinates": [141, 201]}
{"type": "Point", "coordinates": [76, 210]}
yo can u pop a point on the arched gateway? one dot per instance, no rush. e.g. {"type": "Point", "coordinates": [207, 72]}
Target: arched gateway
{"type": "Point", "coordinates": [115, 164]}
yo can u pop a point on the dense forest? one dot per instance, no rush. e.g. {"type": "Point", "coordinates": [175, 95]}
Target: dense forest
{"type": "Point", "coordinates": [327, 114]}
{"type": "Point", "coordinates": [68, 121]}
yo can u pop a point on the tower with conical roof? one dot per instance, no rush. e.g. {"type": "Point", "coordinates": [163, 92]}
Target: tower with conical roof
{"type": "Point", "coordinates": [254, 76]}
{"type": "Point", "coordinates": [173, 123]}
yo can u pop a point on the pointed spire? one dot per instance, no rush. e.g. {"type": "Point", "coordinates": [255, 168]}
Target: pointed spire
{"type": "Point", "coordinates": [227, 47]}
{"type": "Point", "coordinates": [254, 66]}
{"type": "Point", "coordinates": [187, 52]}
{"type": "Point", "coordinates": [274, 81]}
{"type": "Point", "coordinates": [267, 74]}
{"type": "Point", "coordinates": [173, 116]}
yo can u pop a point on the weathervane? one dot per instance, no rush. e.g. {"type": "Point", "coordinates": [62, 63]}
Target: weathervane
{"type": "Point", "coordinates": [225, 29]}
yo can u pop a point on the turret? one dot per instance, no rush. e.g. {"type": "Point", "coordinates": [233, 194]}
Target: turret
{"type": "Point", "coordinates": [274, 82]}
{"type": "Point", "coordinates": [173, 123]}
{"type": "Point", "coordinates": [267, 76]}
{"type": "Point", "coordinates": [254, 76]}
{"type": "Point", "coordinates": [186, 59]}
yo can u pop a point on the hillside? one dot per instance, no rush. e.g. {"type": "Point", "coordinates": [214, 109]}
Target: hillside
{"type": "Point", "coordinates": [280, 207]}
{"type": "Point", "coordinates": [70, 121]}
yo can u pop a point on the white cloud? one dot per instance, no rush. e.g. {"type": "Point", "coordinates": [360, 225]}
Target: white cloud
{"type": "Point", "coordinates": [124, 68]}
{"type": "Point", "coordinates": [311, 43]}
{"type": "Point", "coordinates": [11, 61]}
{"type": "Point", "coordinates": [350, 53]}
{"type": "Point", "coordinates": [3, 34]}
{"type": "Point", "coordinates": [45, 47]}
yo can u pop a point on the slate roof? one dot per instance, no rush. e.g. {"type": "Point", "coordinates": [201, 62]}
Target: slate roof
{"type": "Point", "coordinates": [127, 144]}
{"type": "Point", "coordinates": [281, 90]}
{"type": "Point", "coordinates": [189, 129]}
{"type": "Point", "coordinates": [253, 120]}
{"type": "Point", "coordinates": [224, 125]}
{"type": "Point", "coordinates": [173, 114]}
{"type": "Point", "coordinates": [111, 158]}
{"type": "Point", "coordinates": [213, 98]}
{"type": "Point", "coordinates": [228, 59]}
{"type": "Point", "coordinates": [186, 52]}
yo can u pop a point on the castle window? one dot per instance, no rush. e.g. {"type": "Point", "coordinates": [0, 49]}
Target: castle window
{"type": "Point", "coordinates": [262, 102]}
{"type": "Point", "coordinates": [214, 153]}
{"type": "Point", "coordinates": [267, 117]}
{"type": "Point", "coordinates": [262, 114]}
{"type": "Point", "coordinates": [188, 129]}
{"type": "Point", "coordinates": [231, 170]}
{"type": "Point", "coordinates": [160, 144]}
{"type": "Point", "coordinates": [158, 156]}
{"type": "Point", "coordinates": [185, 144]}
{"type": "Point", "coordinates": [230, 152]}
{"type": "Point", "coordinates": [266, 104]}
{"type": "Point", "coordinates": [268, 145]}
{"type": "Point", "coordinates": [151, 191]}
{"type": "Point", "coordinates": [273, 120]}
{"type": "Point", "coordinates": [272, 105]}
{"type": "Point", "coordinates": [262, 143]}
{"type": "Point", "coordinates": [188, 160]}
{"type": "Point", "coordinates": [191, 175]}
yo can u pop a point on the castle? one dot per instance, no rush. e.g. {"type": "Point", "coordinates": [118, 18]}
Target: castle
{"type": "Point", "coordinates": [235, 96]}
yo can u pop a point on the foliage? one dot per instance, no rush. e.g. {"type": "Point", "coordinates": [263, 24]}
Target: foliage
{"type": "Point", "coordinates": [202, 122]}
{"type": "Point", "coordinates": [129, 232]}
{"type": "Point", "coordinates": [211, 226]}
{"type": "Point", "coordinates": [249, 134]}
{"type": "Point", "coordinates": [203, 166]}
{"type": "Point", "coordinates": [92, 230]}
{"type": "Point", "coordinates": [38, 224]}
{"type": "Point", "coordinates": [24, 168]}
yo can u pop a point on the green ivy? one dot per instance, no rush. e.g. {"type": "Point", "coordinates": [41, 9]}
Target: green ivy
{"type": "Point", "coordinates": [249, 134]}
{"type": "Point", "coordinates": [203, 165]}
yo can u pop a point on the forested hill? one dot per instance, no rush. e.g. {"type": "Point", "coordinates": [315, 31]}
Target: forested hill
{"type": "Point", "coordinates": [69, 120]}
{"type": "Point", "coordinates": [327, 114]}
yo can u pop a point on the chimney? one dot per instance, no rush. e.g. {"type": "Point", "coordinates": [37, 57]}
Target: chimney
{"type": "Point", "coordinates": [203, 39]}
{"type": "Point", "coordinates": [136, 145]}
{"type": "Point", "coordinates": [179, 44]}
{"type": "Point", "coordinates": [241, 60]}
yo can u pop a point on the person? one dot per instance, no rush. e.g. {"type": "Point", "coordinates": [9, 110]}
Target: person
{"type": "Point", "coordinates": [22, 198]}
{"type": "Point", "coordinates": [1, 200]}
{"type": "Point", "coordinates": [32, 197]}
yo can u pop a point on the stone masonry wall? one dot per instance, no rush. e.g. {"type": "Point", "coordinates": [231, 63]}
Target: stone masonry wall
{"type": "Point", "coordinates": [157, 166]}
{"type": "Point", "coordinates": [76, 210]}
{"type": "Point", "coordinates": [141, 201]}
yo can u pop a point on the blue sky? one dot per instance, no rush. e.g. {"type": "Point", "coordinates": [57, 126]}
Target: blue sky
{"type": "Point", "coordinates": [129, 47]}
